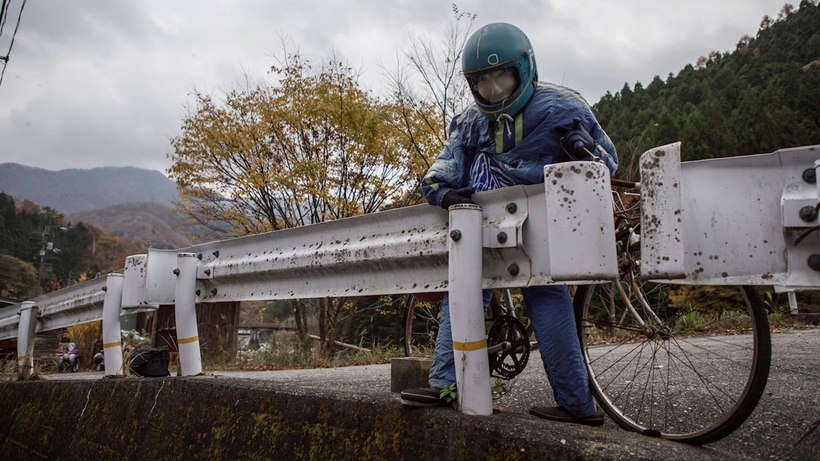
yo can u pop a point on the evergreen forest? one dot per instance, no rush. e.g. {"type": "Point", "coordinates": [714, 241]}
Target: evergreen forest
{"type": "Point", "coordinates": [40, 251]}
{"type": "Point", "coordinates": [761, 97]}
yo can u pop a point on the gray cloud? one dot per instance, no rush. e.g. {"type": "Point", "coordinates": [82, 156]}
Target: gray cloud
{"type": "Point", "coordinates": [99, 83]}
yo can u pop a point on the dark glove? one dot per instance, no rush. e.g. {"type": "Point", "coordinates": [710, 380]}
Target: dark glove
{"type": "Point", "coordinates": [577, 143]}
{"type": "Point", "coordinates": [456, 196]}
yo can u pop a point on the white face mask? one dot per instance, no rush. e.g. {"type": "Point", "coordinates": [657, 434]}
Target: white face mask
{"type": "Point", "coordinates": [496, 86]}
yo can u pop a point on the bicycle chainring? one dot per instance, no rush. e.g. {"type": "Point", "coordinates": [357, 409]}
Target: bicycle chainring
{"type": "Point", "coordinates": [508, 363]}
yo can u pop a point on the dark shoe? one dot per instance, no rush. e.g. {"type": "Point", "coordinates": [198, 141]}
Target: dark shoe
{"type": "Point", "coordinates": [561, 415]}
{"type": "Point", "coordinates": [422, 397]}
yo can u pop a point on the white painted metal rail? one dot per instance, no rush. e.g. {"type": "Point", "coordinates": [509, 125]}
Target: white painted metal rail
{"type": "Point", "coordinates": [748, 220]}
{"type": "Point", "coordinates": [525, 243]}
{"type": "Point", "coordinates": [559, 231]}
{"type": "Point", "coordinates": [727, 221]}
{"type": "Point", "coordinates": [73, 305]}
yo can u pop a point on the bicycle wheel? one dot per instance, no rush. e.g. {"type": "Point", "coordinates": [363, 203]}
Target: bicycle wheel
{"type": "Point", "coordinates": [687, 363]}
{"type": "Point", "coordinates": [419, 327]}
{"type": "Point", "coordinates": [421, 318]}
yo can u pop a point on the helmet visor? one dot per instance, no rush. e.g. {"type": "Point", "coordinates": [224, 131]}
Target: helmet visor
{"type": "Point", "coordinates": [496, 86]}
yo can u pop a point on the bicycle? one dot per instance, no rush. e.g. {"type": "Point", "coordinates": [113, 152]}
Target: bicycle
{"type": "Point", "coordinates": [510, 338]}
{"type": "Point", "coordinates": [682, 362]}
{"type": "Point", "coordinates": [650, 348]}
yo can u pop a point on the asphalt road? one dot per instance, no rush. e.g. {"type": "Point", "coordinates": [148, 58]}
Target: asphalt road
{"type": "Point", "coordinates": [789, 407]}
{"type": "Point", "coordinates": [790, 403]}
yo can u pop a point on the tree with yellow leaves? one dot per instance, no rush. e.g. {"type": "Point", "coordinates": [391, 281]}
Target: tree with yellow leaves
{"type": "Point", "coordinates": [316, 147]}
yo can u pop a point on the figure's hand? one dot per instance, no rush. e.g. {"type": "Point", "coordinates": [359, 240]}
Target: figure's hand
{"type": "Point", "coordinates": [578, 143]}
{"type": "Point", "coordinates": [456, 196]}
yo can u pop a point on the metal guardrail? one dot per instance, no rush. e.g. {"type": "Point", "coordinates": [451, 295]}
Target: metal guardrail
{"type": "Point", "coordinates": [733, 220]}
{"type": "Point", "coordinates": [558, 231]}
{"type": "Point", "coordinates": [73, 305]}
{"type": "Point", "coordinates": [747, 220]}
{"type": "Point", "coordinates": [404, 250]}
{"type": "Point", "coordinates": [726, 221]}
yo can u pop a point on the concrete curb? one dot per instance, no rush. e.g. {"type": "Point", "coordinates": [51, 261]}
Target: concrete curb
{"type": "Point", "coordinates": [212, 417]}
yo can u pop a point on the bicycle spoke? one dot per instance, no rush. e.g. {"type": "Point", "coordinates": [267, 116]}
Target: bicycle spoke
{"type": "Point", "coordinates": [668, 395]}
{"type": "Point", "coordinates": [700, 376]}
{"type": "Point", "coordinates": [683, 378]}
{"type": "Point", "coordinates": [646, 384]}
{"type": "Point", "coordinates": [685, 387]}
{"type": "Point", "coordinates": [610, 325]}
{"type": "Point", "coordinates": [712, 352]}
{"type": "Point", "coordinates": [632, 381]}
{"type": "Point", "coordinates": [617, 361]}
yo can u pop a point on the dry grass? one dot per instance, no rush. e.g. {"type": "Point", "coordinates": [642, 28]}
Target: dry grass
{"type": "Point", "coordinates": [283, 351]}
{"type": "Point", "coordinates": [86, 336]}
{"type": "Point", "coordinates": [695, 323]}
{"type": "Point", "coordinates": [9, 372]}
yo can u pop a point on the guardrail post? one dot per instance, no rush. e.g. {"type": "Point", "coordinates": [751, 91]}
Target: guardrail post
{"type": "Point", "coordinates": [190, 358]}
{"type": "Point", "coordinates": [792, 302]}
{"type": "Point", "coordinates": [25, 338]}
{"type": "Point", "coordinates": [112, 337]}
{"type": "Point", "coordinates": [467, 311]}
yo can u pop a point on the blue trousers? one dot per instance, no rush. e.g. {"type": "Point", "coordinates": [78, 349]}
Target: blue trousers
{"type": "Point", "coordinates": [549, 308]}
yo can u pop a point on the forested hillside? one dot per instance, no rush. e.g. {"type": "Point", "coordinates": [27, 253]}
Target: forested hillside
{"type": "Point", "coordinates": [38, 246]}
{"type": "Point", "coordinates": [762, 96]}
{"type": "Point", "coordinates": [145, 225]}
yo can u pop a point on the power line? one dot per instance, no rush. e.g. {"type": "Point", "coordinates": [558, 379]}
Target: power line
{"type": "Point", "coordinates": [5, 59]}
{"type": "Point", "coordinates": [4, 12]}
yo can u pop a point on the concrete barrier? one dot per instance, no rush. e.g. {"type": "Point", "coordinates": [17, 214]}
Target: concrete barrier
{"type": "Point", "coordinates": [210, 417]}
{"type": "Point", "coordinates": [407, 372]}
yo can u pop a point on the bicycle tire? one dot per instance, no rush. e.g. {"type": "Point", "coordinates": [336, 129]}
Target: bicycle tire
{"type": "Point", "coordinates": [420, 321]}
{"type": "Point", "coordinates": [725, 388]}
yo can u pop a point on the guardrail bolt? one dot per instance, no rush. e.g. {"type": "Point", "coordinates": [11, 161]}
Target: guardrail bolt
{"type": "Point", "coordinates": [176, 271]}
{"type": "Point", "coordinates": [513, 269]}
{"type": "Point", "coordinates": [216, 253]}
{"type": "Point", "coordinates": [814, 262]}
{"type": "Point", "coordinates": [502, 237]}
{"type": "Point", "coordinates": [213, 291]}
{"type": "Point", "coordinates": [810, 175]}
{"type": "Point", "coordinates": [197, 292]}
{"type": "Point", "coordinates": [808, 213]}
{"type": "Point", "coordinates": [455, 234]}
{"type": "Point", "coordinates": [104, 289]}
{"type": "Point", "coordinates": [207, 271]}
{"type": "Point", "coordinates": [511, 208]}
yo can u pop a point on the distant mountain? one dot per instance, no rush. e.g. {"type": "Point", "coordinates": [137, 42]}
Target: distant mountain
{"type": "Point", "coordinates": [74, 190]}
{"type": "Point", "coordinates": [143, 224]}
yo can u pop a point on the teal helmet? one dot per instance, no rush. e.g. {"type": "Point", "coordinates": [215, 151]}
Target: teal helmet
{"type": "Point", "coordinates": [500, 47]}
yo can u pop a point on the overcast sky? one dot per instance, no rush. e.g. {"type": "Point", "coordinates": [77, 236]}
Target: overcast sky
{"type": "Point", "coordinates": [106, 82]}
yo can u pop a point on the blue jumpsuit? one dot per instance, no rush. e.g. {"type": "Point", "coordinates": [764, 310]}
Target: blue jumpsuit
{"type": "Point", "coordinates": [487, 154]}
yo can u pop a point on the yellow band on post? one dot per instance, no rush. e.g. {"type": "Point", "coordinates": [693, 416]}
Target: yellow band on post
{"type": "Point", "coordinates": [114, 344]}
{"type": "Point", "coordinates": [21, 357]}
{"type": "Point", "coordinates": [192, 339]}
{"type": "Point", "coordinates": [470, 346]}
